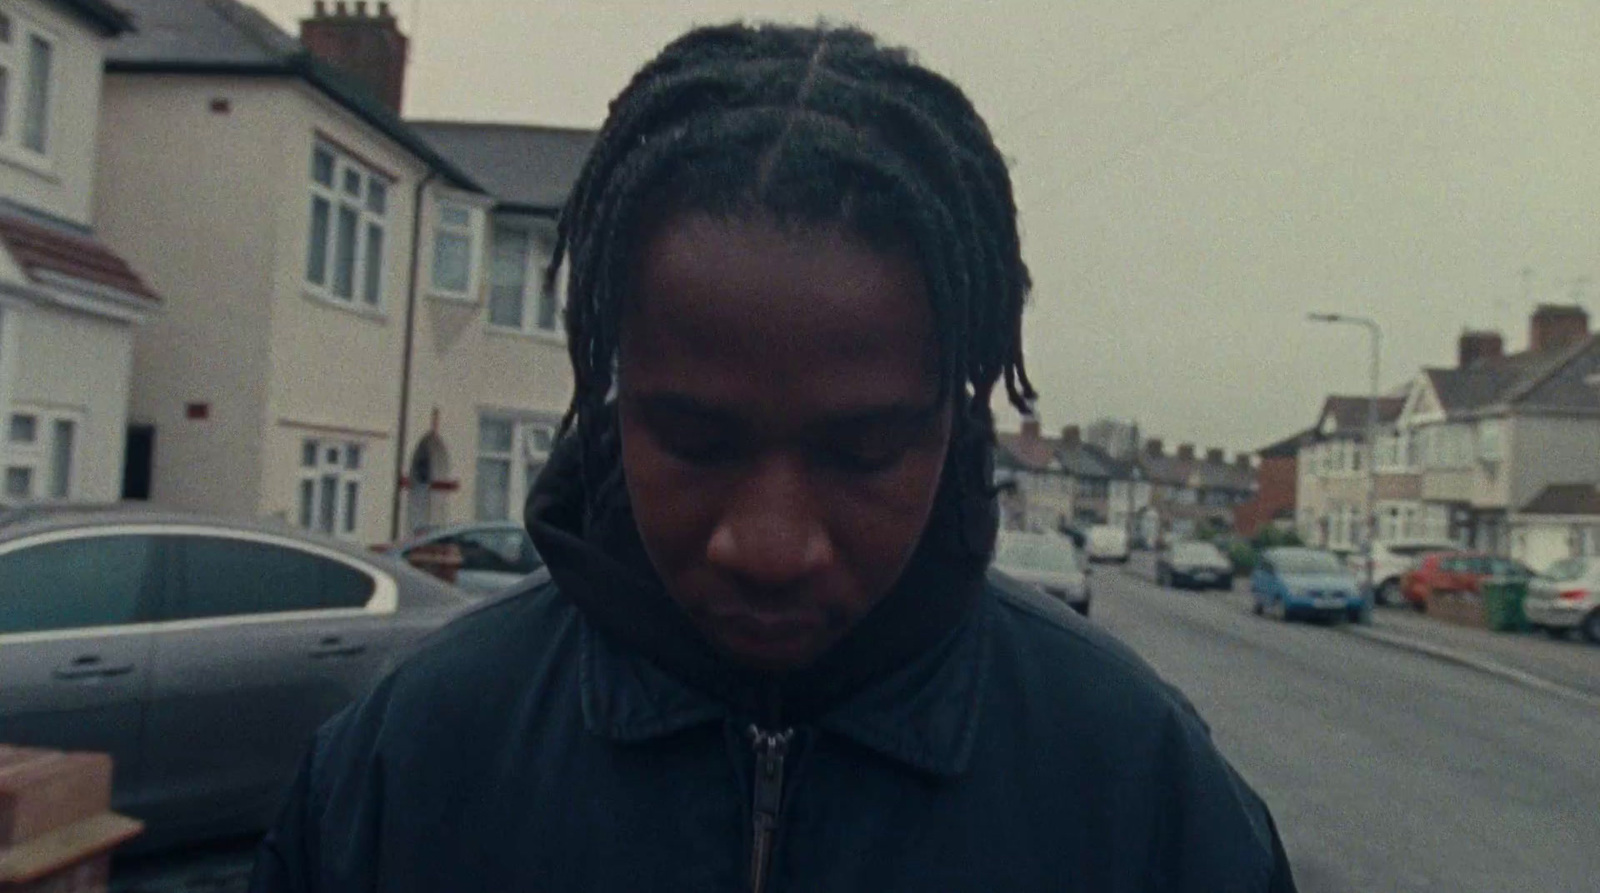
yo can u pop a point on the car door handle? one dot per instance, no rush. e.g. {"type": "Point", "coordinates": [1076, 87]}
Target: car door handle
{"type": "Point", "coordinates": [90, 667]}
{"type": "Point", "coordinates": [333, 646]}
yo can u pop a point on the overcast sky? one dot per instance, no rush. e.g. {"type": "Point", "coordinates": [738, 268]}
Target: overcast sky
{"type": "Point", "coordinates": [1194, 176]}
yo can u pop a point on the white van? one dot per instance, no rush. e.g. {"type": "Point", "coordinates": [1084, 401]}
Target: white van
{"type": "Point", "coordinates": [1108, 543]}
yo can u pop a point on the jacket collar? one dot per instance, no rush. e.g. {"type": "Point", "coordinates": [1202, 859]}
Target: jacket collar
{"type": "Point", "coordinates": [906, 682]}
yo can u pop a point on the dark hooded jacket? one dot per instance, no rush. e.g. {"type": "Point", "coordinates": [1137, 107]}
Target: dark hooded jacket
{"type": "Point", "coordinates": [577, 735]}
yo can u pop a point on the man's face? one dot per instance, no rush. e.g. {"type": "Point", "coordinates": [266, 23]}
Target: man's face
{"type": "Point", "coordinates": [782, 436]}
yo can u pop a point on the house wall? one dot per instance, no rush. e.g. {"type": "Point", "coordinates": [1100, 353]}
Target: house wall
{"type": "Point", "coordinates": [96, 355]}
{"type": "Point", "coordinates": [1545, 450]}
{"type": "Point", "coordinates": [465, 369]}
{"type": "Point", "coordinates": [61, 182]}
{"type": "Point", "coordinates": [189, 198]}
{"type": "Point", "coordinates": [1277, 480]}
{"type": "Point", "coordinates": [1540, 542]}
{"type": "Point", "coordinates": [335, 368]}
{"type": "Point", "coordinates": [1399, 487]}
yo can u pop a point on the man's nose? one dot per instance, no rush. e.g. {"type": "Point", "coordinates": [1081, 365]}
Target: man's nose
{"type": "Point", "coordinates": [772, 533]}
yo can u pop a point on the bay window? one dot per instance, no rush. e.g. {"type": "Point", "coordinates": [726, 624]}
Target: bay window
{"type": "Point", "coordinates": [27, 68]}
{"type": "Point", "coordinates": [453, 250]}
{"type": "Point", "coordinates": [348, 225]}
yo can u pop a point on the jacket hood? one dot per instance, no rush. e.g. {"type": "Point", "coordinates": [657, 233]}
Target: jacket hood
{"type": "Point", "coordinates": [598, 560]}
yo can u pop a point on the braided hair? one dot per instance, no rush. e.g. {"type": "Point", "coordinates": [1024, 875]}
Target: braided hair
{"type": "Point", "coordinates": [808, 126]}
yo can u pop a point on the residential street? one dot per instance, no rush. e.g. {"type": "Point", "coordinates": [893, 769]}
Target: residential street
{"type": "Point", "coordinates": [1386, 771]}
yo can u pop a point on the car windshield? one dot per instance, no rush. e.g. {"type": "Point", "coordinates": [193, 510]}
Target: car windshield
{"type": "Point", "coordinates": [1306, 561]}
{"type": "Point", "coordinates": [1197, 553]}
{"type": "Point", "coordinates": [1570, 570]}
{"type": "Point", "coordinates": [1056, 556]}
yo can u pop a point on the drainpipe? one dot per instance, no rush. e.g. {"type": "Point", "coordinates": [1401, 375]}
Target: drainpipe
{"type": "Point", "coordinates": [403, 437]}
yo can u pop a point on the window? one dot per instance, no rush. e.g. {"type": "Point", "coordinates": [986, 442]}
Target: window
{"type": "Point", "coordinates": [329, 499]}
{"type": "Point", "coordinates": [75, 584]}
{"type": "Point", "coordinates": [221, 577]}
{"type": "Point", "coordinates": [349, 211]}
{"type": "Point", "coordinates": [511, 453]}
{"type": "Point", "coordinates": [452, 249]}
{"type": "Point", "coordinates": [1489, 440]}
{"type": "Point", "coordinates": [517, 297]}
{"type": "Point", "coordinates": [27, 66]}
{"type": "Point", "coordinates": [39, 451]}
{"type": "Point", "coordinates": [500, 551]}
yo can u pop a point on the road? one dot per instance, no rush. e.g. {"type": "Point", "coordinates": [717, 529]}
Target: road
{"type": "Point", "coordinates": [1386, 771]}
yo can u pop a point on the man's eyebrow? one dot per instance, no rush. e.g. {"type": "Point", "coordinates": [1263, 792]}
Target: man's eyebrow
{"type": "Point", "coordinates": [894, 414]}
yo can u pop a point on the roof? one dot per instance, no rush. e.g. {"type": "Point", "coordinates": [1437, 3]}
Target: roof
{"type": "Point", "coordinates": [1350, 413]}
{"type": "Point", "coordinates": [1089, 461]}
{"type": "Point", "coordinates": [1547, 379]}
{"type": "Point", "coordinates": [226, 37]}
{"type": "Point", "coordinates": [526, 167]}
{"type": "Point", "coordinates": [1289, 447]}
{"type": "Point", "coordinates": [1028, 453]}
{"type": "Point", "coordinates": [38, 247]}
{"type": "Point", "coordinates": [110, 20]}
{"type": "Point", "coordinates": [1565, 499]}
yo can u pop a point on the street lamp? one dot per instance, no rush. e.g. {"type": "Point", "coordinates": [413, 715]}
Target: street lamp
{"type": "Point", "coordinates": [1371, 434]}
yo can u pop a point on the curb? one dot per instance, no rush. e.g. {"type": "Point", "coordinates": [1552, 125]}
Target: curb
{"type": "Point", "coordinates": [1472, 662]}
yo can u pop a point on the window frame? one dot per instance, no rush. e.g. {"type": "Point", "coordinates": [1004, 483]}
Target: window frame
{"type": "Point", "coordinates": [38, 456]}
{"type": "Point", "coordinates": [375, 188]}
{"type": "Point", "coordinates": [384, 601]}
{"type": "Point", "coordinates": [522, 456]}
{"type": "Point", "coordinates": [18, 92]}
{"type": "Point", "coordinates": [531, 295]}
{"type": "Point", "coordinates": [470, 230]}
{"type": "Point", "coordinates": [346, 522]}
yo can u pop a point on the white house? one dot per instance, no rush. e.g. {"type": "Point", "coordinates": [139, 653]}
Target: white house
{"type": "Point", "coordinates": [1563, 521]}
{"type": "Point", "coordinates": [291, 221]}
{"type": "Point", "coordinates": [70, 307]}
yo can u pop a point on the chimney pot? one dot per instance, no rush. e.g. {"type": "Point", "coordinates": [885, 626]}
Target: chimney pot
{"type": "Point", "coordinates": [1242, 461]}
{"type": "Point", "coordinates": [1030, 428]}
{"type": "Point", "coordinates": [383, 9]}
{"type": "Point", "coordinates": [319, 9]}
{"type": "Point", "coordinates": [1215, 457]}
{"type": "Point", "coordinates": [1186, 452]}
{"type": "Point", "coordinates": [371, 49]}
{"type": "Point", "coordinates": [341, 9]}
{"type": "Point", "coordinates": [361, 9]}
{"type": "Point", "coordinates": [1153, 447]}
{"type": "Point", "coordinates": [1071, 435]}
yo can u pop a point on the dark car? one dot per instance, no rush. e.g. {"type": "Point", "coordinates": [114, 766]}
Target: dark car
{"type": "Point", "coordinates": [1194, 565]}
{"type": "Point", "coordinates": [489, 556]}
{"type": "Point", "coordinates": [201, 655]}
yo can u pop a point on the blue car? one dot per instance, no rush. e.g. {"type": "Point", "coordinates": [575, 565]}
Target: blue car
{"type": "Point", "coordinates": [1292, 583]}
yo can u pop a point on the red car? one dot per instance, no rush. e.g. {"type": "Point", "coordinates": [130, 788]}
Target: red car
{"type": "Point", "coordinates": [1456, 572]}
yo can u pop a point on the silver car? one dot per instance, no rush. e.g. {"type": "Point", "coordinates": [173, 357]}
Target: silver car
{"type": "Point", "coordinates": [200, 655]}
{"type": "Point", "coordinates": [1566, 597]}
{"type": "Point", "coordinates": [495, 555]}
{"type": "Point", "coordinates": [1047, 561]}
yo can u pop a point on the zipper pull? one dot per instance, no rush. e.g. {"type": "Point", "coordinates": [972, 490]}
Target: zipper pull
{"type": "Point", "coordinates": [770, 749]}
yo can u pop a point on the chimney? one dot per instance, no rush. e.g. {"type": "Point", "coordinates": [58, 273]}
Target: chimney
{"type": "Point", "coordinates": [1215, 457]}
{"type": "Point", "coordinates": [1030, 428]}
{"type": "Point", "coordinates": [1152, 447]}
{"type": "Point", "coordinates": [368, 46]}
{"type": "Point", "coordinates": [1555, 326]}
{"type": "Point", "coordinates": [1185, 452]}
{"type": "Point", "coordinates": [1071, 436]}
{"type": "Point", "coordinates": [1242, 461]}
{"type": "Point", "coordinates": [1479, 345]}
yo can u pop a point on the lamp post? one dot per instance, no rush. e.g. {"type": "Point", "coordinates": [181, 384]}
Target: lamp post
{"type": "Point", "coordinates": [1371, 520]}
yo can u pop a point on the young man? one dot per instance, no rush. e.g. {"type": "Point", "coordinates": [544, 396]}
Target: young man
{"type": "Point", "coordinates": [767, 656]}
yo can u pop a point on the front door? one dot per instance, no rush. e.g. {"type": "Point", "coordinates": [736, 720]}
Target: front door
{"type": "Point", "coordinates": [74, 650]}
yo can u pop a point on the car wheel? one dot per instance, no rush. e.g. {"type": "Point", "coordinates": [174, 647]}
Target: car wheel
{"type": "Point", "coordinates": [1591, 626]}
{"type": "Point", "coordinates": [1389, 594]}
{"type": "Point", "coordinates": [1280, 610]}
{"type": "Point", "coordinates": [1357, 616]}
{"type": "Point", "coordinates": [1256, 609]}
{"type": "Point", "coordinates": [1161, 578]}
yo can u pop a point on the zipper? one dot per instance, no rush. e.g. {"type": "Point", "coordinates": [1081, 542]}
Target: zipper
{"type": "Point", "coordinates": [770, 749]}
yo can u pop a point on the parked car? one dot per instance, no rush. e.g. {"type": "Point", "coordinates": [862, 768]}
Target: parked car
{"type": "Point", "coordinates": [493, 555]}
{"type": "Point", "coordinates": [201, 655]}
{"type": "Point", "coordinates": [1390, 561]}
{"type": "Point", "coordinates": [1047, 561]}
{"type": "Point", "coordinates": [1566, 597]}
{"type": "Point", "coordinates": [1108, 543]}
{"type": "Point", "coordinates": [1293, 581]}
{"type": "Point", "coordinates": [1194, 565]}
{"type": "Point", "coordinates": [1456, 572]}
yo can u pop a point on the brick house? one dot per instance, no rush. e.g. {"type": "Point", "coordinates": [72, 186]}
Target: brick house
{"type": "Point", "coordinates": [1277, 480]}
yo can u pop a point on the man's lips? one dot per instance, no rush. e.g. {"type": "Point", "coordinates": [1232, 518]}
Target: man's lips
{"type": "Point", "coordinates": [772, 638]}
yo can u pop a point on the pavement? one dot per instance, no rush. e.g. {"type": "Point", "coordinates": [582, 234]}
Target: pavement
{"type": "Point", "coordinates": [1387, 766]}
